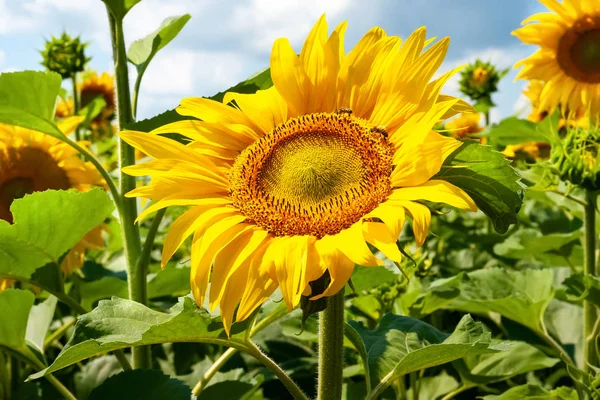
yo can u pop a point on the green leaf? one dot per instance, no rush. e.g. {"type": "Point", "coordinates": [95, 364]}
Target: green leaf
{"type": "Point", "coordinates": [142, 51]}
{"type": "Point", "coordinates": [489, 179]}
{"type": "Point", "coordinates": [513, 130]}
{"type": "Point", "coordinates": [534, 392]}
{"type": "Point", "coordinates": [92, 109]}
{"type": "Point", "coordinates": [39, 236]}
{"type": "Point", "coordinates": [27, 99]}
{"type": "Point", "coordinates": [15, 306]}
{"type": "Point", "coordinates": [120, 8]}
{"type": "Point", "coordinates": [259, 81]}
{"type": "Point", "coordinates": [434, 387]}
{"type": "Point", "coordinates": [438, 294]}
{"type": "Point", "coordinates": [364, 278]}
{"type": "Point", "coordinates": [40, 318]}
{"type": "Point", "coordinates": [94, 373]}
{"type": "Point", "coordinates": [159, 120]}
{"type": "Point", "coordinates": [531, 244]}
{"type": "Point", "coordinates": [141, 384]}
{"type": "Point", "coordinates": [119, 323]}
{"type": "Point", "coordinates": [521, 296]}
{"type": "Point", "coordinates": [580, 287]}
{"type": "Point", "coordinates": [400, 345]}
{"type": "Point", "coordinates": [521, 358]}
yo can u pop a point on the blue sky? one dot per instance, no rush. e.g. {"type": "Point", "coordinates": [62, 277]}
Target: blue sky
{"type": "Point", "coordinates": [226, 41]}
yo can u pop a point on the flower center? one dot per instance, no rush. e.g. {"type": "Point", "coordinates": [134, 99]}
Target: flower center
{"type": "Point", "coordinates": [579, 50]}
{"type": "Point", "coordinates": [313, 175]}
{"type": "Point", "coordinates": [24, 171]}
{"type": "Point", "coordinates": [479, 77]}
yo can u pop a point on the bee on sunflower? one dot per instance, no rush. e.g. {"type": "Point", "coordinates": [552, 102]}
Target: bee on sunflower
{"type": "Point", "coordinates": [31, 161]}
{"type": "Point", "coordinates": [295, 181]}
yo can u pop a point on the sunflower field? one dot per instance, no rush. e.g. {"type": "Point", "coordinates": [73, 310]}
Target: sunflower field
{"type": "Point", "coordinates": [336, 226]}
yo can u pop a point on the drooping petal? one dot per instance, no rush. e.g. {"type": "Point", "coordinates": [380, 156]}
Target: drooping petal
{"type": "Point", "coordinates": [436, 191]}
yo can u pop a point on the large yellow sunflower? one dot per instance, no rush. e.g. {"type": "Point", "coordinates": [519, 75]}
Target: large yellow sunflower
{"type": "Point", "coordinates": [94, 85]}
{"type": "Point", "coordinates": [31, 161]}
{"type": "Point", "coordinates": [568, 61]}
{"type": "Point", "coordinates": [295, 180]}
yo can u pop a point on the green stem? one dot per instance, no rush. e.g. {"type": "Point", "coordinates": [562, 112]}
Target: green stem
{"type": "Point", "coordinates": [5, 376]}
{"type": "Point", "coordinates": [76, 104]}
{"type": "Point", "coordinates": [589, 310]}
{"type": "Point", "coordinates": [294, 390]}
{"type": "Point", "coordinates": [122, 360]}
{"type": "Point", "coordinates": [144, 260]}
{"type": "Point", "coordinates": [33, 360]}
{"type": "Point", "coordinates": [456, 391]}
{"type": "Point", "coordinates": [487, 118]}
{"type": "Point", "coordinates": [214, 368]}
{"type": "Point", "coordinates": [136, 89]}
{"type": "Point", "coordinates": [57, 334]}
{"type": "Point", "coordinates": [130, 231]}
{"type": "Point", "coordinates": [331, 348]}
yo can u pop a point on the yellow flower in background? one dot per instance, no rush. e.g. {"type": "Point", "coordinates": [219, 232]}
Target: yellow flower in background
{"type": "Point", "coordinates": [94, 85]}
{"type": "Point", "coordinates": [575, 119]}
{"type": "Point", "coordinates": [529, 151]}
{"type": "Point", "coordinates": [31, 161]}
{"type": "Point", "coordinates": [64, 109]}
{"type": "Point", "coordinates": [464, 125]}
{"type": "Point", "coordinates": [6, 283]}
{"type": "Point", "coordinates": [568, 61]}
{"type": "Point", "coordinates": [297, 179]}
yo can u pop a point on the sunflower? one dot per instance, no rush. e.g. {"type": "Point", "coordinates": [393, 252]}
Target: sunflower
{"type": "Point", "coordinates": [529, 151]}
{"type": "Point", "coordinates": [64, 109]}
{"type": "Point", "coordinates": [578, 119]}
{"type": "Point", "coordinates": [93, 86]}
{"type": "Point", "coordinates": [31, 161]}
{"type": "Point", "coordinates": [296, 180]}
{"type": "Point", "coordinates": [464, 125]}
{"type": "Point", "coordinates": [568, 61]}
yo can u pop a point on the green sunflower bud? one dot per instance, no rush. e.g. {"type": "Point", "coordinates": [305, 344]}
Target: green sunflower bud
{"type": "Point", "coordinates": [576, 159]}
{"type": "Point", "coordinates": [479, 80]}
{"type": "Point", "coordinates": [65, 55]}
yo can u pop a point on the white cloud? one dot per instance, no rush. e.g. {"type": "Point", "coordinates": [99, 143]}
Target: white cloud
{"type": "Point", "coordinates": [267, 20]}
{"type": "Point", "coordinates": [13, 22]}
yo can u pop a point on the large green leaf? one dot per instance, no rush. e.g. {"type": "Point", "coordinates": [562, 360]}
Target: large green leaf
{"type": "Point", "coordinates": [120, 8]}
{"type": "Point", "coordinates": [530, 244]}
{"type": "Point", "coordinates": [15, 306]}
{"type": "Point", "coordinates": [400, 345]}
{"type": "Point", "coordinates": [141, 384]}
{"type": "Point", "coordinates": [489, 179]}
{"type": "Point", "coordinates": [46, 225]}
{"type": "Point", "coordinates": [119, 323]}
{"type": "Point", "coordinates": [521, 296]}
{"type": "Point", "coordinates": [27, 99]}
{"type": "Point", "coordinates": [534, 392]}
{"type": "Point", "coordinates": [142, 51]}
{"type": "Point", "coordinates": [513, 130]}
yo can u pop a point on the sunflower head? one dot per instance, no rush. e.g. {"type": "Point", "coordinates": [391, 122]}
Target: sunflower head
{"type": "Point", "coordinates": [94, 85]}
{"type": "Point", "coordinates": [529, 151]}
{"type": "Point", "coordinates": [576, 157]}
{"type": "Point", "coordinates": [293, 183]}
{"type": "Point", "coordinates": [65, 55]}
{"type": "Point", "coordinates": [31, 161]}
{"type": "Point", "coordinates": [568, 61]}
{"type": "Point", "coordinates": [480, 80]}
{"type": "Point", "coordinates": [64, 109]}
{"type": "Point", "coordinates": [464, 125]}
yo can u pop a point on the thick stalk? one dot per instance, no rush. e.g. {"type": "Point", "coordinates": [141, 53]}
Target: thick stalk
{"type": "Point", "coordinates": [130, 231]}
{"type": "Point", "coordinates": [76, 104]}
{"type": "Point", "coordinates": [589, 260]}
{"type": "Point", "coordinates": [331, 348]}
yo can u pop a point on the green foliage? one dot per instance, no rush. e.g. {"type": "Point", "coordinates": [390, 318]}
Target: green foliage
{"type": "Point", "coordinates": [27, 99]}
{"type": "Point", "coordinates": [14, 308]}
{"type": "Point", "coordinates": [259, 81]}
{"type": "Point", "coordinates": [489, 179]}
{"type": "Point", "coordinates": [119, 323]}
{"type": "Point", "coordinates": [534, 392]}
{"type": "Point", "coordinates": [142, 51]}
{"type": "Point", "coordinates": [38, 237]}
{"type": "Point", "coordinates": [401, 345]}
{"type": "Point", "coordinates": [513, 130]}
{"type": "Point", "coordinates": [141, 384]}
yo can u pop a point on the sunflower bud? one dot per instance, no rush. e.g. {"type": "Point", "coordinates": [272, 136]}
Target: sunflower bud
{"type": "Point", "coordinates": [479, 80]}
{"type": "Point", "coordinates": [576, 158]}
{"type": "Point", "coordinates": [64, 55]}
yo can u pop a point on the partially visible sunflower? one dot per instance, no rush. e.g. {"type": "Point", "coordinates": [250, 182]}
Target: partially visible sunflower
{"type": "Point", "coordinates": [577, 119]}
{"type": "Point", "coordinates": [64, 109]}
{"type": "Point", "coordinates": [94, 85]}
{"type": "Point", "coordinates": [568, 61]}
{"type": "Point", "coordinates": [464, 125]}
{"type": "Point", "coordinates": [293, 181]}
{"type": "Point", "coordinates": [31, 161]}
{"type": "Point", "coordinates": [529, 151]}
{"type": "Point", "coordinates": [6, 283]}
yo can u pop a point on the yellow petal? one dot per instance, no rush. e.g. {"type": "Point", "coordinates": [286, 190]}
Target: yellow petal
{"type": "Point", "coordinates": [352, 243]}
{"type": "Point", "coordinates": [68, 125]}
{"type": "Point", "coordinates": [391, 215]}
{"type": "Point", "coordinates": [379, 236]}
{"type": "Point", "coordinates": [437, 191]}
{"type": "Point", "coordinates": [340, 269]}
{"type": "Point", "coordinates": [183, 200]}
{"type": "Point", "coordinates": [266, 108]}
{"type": "Point", "coordinates": [421, 217]}
{"type": "Point", "coordinates": [289, 77]}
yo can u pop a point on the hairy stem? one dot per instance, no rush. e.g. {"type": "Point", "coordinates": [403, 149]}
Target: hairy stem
{"type": "Point", "coordinates": [130, 231]}
{"type": "Point", "coordinates": [76, 104]}
{"type": "Point", "coordinates": [589, 310]}
{"type": "Point", "coordinates": [331, 348]}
